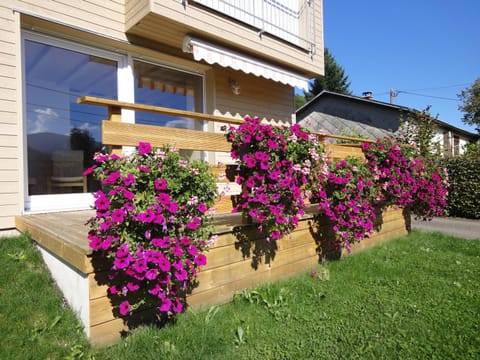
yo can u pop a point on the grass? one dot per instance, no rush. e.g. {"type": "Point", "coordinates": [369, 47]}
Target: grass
{"type": "Point", "coordinates": [415, 297]}
{"type": "Point", "coordinates": [35, 323]}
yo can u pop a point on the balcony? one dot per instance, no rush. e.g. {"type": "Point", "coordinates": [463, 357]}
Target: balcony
{"type": "Point", "coordinates": [289, 20]}
{"type": "Point", "coordinates": [286, 33]}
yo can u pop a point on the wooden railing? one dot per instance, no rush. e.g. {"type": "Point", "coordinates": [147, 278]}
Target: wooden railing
{"type": "Point", "coordinates": [116, 134]}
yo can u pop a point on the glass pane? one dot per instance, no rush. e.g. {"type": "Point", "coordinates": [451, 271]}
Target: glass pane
{"type": "Point", "coordinates": [62, 135]}
{"type": "Point", "coordinates": [161, 86]}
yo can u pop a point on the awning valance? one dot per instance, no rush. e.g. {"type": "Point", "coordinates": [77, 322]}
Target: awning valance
{"type": "Point", "coordinates": [211, 53]}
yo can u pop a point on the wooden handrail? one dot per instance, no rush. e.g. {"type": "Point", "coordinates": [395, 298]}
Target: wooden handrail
{"type": "Point", "coordinates": [90, 100]}
{"type": "Point", "coordinates": [115, 104]}
{"type": "Point", "coordinates": [343, 137]}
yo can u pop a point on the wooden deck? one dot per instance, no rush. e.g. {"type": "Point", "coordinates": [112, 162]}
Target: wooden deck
{"type": "Point", "coordinates": [234, 263]}
{"type": "Point", "coordinates": [64, 234]}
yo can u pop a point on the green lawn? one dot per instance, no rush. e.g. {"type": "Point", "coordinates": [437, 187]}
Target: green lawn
{"type": "Point", "coordinates": [417, 297]}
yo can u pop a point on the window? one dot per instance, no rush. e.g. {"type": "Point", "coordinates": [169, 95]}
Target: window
{"type": "Point", "coordinates": [62, 135]}
{"type": "Point", "coordinates": [447, 149]}
{"type": "Point", "coordinates": [166, 87]}
{"type": "Point", "coordinates": [456, 145]}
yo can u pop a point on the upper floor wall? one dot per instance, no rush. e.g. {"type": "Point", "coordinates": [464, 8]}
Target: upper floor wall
{"type": "Point", "coordinates": [286, 33]}
{"type": "Point", "coordinates": [40, 38]}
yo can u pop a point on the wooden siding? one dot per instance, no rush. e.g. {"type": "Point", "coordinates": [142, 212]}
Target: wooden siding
{"type": "Point", "coordinates": [10, 163]}
{"type": "Point", "coordinates": [106, 17]}
{"type": "Point", "coordinates": [135, 10]}
{"type": "Point", "coordinates": [169, 21]}
{"type": "Point", "coordinates": [258, 96]}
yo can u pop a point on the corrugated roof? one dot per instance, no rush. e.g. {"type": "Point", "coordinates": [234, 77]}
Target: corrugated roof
{"type": "Point", "coordinates": [336, 125]}
{"type": "Point", "coordinates": [325, 93]}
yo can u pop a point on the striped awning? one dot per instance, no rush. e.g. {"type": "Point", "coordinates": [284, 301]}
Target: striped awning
{"type": "Point", "coordinates": [214, 54]}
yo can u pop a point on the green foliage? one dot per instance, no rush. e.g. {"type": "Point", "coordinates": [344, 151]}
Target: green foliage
{"type": "Point", "coordinates": [35, 322]}
{"type": "Point", "coordinates": [299, 101]}
{"type": "Point", "coordinates": [334, 79]}
{"type": "Point", "coordinates": [373, 306]}
{"type": "Point", "coordinates": [471, 104]}
{"type": "Point", "coordinates": [464, 192]}
{"type": "Point", "coordinates": [272, 298]}
{"type": "Point", "coordinates": [418, 128]}
{"type": "Point", "coordinates": [472, 150]}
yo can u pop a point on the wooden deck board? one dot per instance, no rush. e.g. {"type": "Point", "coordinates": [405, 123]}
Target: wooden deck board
{"type": "Point", "coordinates": [69, 227]}
{"type": "Point", "coordinates": [64, 234]}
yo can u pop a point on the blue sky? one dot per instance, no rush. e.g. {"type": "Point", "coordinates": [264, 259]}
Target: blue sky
{"type": "Point", "coordinates": [428, 47]}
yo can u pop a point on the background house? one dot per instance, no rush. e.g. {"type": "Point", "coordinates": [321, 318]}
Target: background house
{"type": "Point", "coordinates": [215, 57]}
{"type": "Point", "coordinates": [340, 113]}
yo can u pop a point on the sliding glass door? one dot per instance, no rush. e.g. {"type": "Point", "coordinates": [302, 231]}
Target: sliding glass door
{"type": "Point", "coordinates": [61, 135]}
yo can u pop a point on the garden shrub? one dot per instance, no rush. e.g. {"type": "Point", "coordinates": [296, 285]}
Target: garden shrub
{"type": "Point", "coordinates": [275, 163]}
{"type": "Point", "coordinates": [464, 193]}
{"type": "Point", "coordinates": [404, 179]}
{"type": "Point", "coordinates": [345, 195]}
{"type": "Point", "coordinates": [151, 226]}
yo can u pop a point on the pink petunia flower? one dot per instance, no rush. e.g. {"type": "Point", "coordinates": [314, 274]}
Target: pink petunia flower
{"type": "Point", "coordinates": [118, 215]}
{"type": "Point", "coordinates": [160, 184]}
{"type": "Point", "coordinates": [124, 308]}
{"type": "Point", "coordinates": [151, 274]}
{"type": "Point", "coordinates": [144, 148]}
{"type": "Point", "coordinates": [200, 260]}
{"type": "Point", "coordinates": [178, 306]}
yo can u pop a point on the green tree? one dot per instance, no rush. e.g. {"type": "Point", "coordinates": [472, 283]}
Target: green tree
{"type": "Point", "coordinates": [471, 104]}
{"type": "Point", "coordinates": [334, 79]}
{"type": "Point", "coordinates": [472, 150]}
{"type": "Point", "coordinates": [419, 127]}
{"type": "Point", "coordinates": [299, 101]}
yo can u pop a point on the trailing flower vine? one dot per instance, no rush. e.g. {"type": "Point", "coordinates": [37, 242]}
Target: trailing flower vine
{"type": "Point", "coordinates": [405, 180]}
{"type": "Point", "coordinates": [151, 225]}
{"type": "Point", "coordinates": [274, 164]}
{"type": "Point", "coordinates": [345, 195]}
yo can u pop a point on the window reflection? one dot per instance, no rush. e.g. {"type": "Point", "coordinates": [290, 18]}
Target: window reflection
{"type": "Point", "coordinates": [161, 86]}
{"type": "Point", "coordinates": [61, 134]}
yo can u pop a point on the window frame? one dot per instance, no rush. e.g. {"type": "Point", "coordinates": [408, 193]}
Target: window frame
{"type": "Point", "coordinates": [125, 92]}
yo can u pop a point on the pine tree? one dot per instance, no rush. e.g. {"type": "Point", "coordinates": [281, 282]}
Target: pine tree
{"type": "Point", "coordinates": [334, 79]}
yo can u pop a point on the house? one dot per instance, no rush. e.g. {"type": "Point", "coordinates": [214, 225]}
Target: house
{"type": "Point", "coordinates": [210, 56]}
{"type": "Point", "coordinates": [340, 113]}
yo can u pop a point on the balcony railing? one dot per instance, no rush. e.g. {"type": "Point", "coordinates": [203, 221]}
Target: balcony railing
{"type": "Point", "coordinates": [289, 20]}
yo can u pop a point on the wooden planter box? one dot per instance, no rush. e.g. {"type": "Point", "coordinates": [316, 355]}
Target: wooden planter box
{"type": "Point", "coordinates": [239, 260]}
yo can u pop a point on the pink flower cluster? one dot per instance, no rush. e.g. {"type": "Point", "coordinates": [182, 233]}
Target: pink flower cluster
{"type": "Point", "coordinates": [345, 196]}
{"type": "Point", "coordinates": [274, 164]}
{"type": "Point", "coordinates": [391, 166]}
{"type": "Point", "coordinates": [405, 180]}
{"type": "Point", "coordinates": [150, 225]}
{"type": "Point", "coordinates": [430, 199]}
